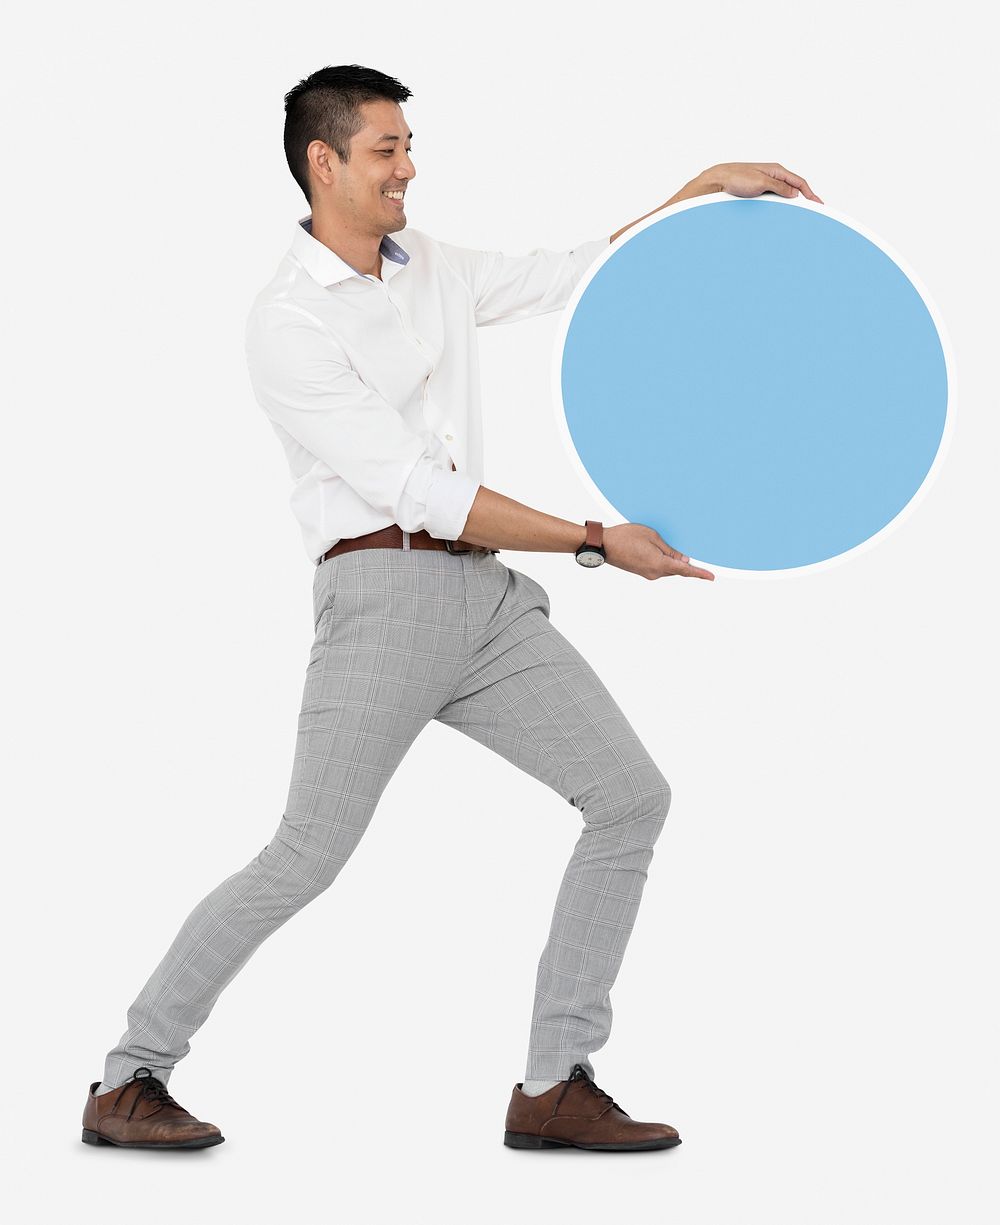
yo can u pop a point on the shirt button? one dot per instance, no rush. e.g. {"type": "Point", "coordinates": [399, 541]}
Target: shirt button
{"type": "Point", "coordinates": [449, 438]}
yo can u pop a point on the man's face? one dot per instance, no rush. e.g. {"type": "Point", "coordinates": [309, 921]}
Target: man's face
{"type": "Point", "coordinates": [380, 163]}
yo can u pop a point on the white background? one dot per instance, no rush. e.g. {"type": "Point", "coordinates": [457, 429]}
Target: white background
{"type": "Point", "coordinates": [807, 994]}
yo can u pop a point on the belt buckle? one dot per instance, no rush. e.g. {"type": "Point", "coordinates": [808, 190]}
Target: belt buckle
{"type": "Point", "coordinates": [473, 548]}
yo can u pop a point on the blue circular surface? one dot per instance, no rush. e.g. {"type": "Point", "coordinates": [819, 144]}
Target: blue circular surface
{"type": "Point", "coordinates": [757, 381]}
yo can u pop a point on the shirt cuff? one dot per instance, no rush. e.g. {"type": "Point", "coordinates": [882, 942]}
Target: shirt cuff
{"type": "Point", "coordinates": [436, 500]}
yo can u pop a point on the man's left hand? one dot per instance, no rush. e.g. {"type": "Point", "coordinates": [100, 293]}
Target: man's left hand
{"type": "Point", "coordinates": [755, 178]}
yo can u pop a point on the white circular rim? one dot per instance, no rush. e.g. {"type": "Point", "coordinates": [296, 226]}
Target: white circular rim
{"type": "Point", "coordinates": [608, 511]}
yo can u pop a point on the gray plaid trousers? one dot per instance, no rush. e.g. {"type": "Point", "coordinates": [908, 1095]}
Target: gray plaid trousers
{"type": "Point", "coordinates": [404, 636]}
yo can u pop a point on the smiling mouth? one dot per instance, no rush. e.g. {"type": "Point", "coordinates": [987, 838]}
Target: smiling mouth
{"type": "Point", "coordinates": [395, 197]}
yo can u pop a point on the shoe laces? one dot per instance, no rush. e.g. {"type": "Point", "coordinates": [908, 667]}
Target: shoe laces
{"type": "Point", "coordinates": [153, 1090]}
{"type": "Point", "coordinates": [579, 1073]}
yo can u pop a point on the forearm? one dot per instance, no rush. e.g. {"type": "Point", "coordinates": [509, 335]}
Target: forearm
{"type": "Point", "coordinates": [701, 185]}
{"type": "Point", "coordinates": [499, 522]}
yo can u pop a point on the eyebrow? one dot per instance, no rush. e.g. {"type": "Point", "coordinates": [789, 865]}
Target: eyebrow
{"type": "Point", "coordinates": [388, 136]}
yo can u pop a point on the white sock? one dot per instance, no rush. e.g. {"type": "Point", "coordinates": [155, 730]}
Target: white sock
{"type": "Point", "coordinates": [535, 1087]}
{"type": "Point", "coordinates": [103, 1088]}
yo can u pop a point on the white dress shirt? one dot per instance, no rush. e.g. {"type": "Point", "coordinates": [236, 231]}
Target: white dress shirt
{"type": "Point", "coordinates": [372, 385]}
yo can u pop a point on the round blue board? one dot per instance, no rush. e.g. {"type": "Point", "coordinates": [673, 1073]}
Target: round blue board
{"type": "Point", "coordinates": [756, 380]}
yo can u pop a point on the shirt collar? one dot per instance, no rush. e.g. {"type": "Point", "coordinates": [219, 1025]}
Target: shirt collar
{"type": "Point", "coordinates": [326, 266]}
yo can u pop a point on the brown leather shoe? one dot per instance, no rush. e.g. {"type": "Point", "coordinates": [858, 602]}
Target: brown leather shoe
{"type": "Point", "coordinates": [576, 1113]}
{"type": "Point", "coordinates": [142, 1114]}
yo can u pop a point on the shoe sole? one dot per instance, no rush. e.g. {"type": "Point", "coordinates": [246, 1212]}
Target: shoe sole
{"type": "Point", "coordinates": [520, 1139]}
{"type": "Point", "coordinates": [93, 1137]}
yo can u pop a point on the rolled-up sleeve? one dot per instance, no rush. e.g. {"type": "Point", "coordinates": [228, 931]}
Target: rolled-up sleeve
{"type": "Point", "coordinates": [305, 384]}
{"type": "Point", "coordinates": [506, 288]}
{"type": "Point", "coordinates": [436, 499]}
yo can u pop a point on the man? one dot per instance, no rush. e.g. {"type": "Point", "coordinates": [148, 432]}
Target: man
{"type": "Point", "coordinates": [362, 354]}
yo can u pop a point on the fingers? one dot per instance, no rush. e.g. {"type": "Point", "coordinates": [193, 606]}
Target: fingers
{"type": "Point", "coordinates": [778, 186]}
{"type": "Point", "coordinates": [776, 171]}
{"type": "Point", "coordinates": [693, 572]}
{"type": "Point", "coordinates": [684, 568]}
{"type": "Point", "coordinates": [671, 552]}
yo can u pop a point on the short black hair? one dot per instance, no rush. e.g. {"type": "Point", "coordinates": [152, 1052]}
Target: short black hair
{"type": "Point", "coordinates": [326, 106]}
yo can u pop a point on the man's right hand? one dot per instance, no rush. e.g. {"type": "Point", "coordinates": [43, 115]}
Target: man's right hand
{"type": "Point", "coordinates": [643, 551]}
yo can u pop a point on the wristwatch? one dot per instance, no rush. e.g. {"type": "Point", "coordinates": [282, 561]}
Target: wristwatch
{"type": "Point", "coordinates": [591, 552]}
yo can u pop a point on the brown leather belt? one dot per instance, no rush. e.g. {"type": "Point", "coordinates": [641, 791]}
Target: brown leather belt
{"type": "Point", "coordinates": [393, 537]}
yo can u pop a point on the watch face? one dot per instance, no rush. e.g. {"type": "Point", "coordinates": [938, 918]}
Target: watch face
{"type": "Point", "coordinates": [590, 557]}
